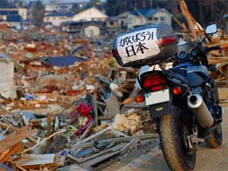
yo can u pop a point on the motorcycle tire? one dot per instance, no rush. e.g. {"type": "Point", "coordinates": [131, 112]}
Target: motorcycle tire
{"type": "Point", "coordinates": [215, 137]}
{"type": "Point", "coordinates": [173, 146]}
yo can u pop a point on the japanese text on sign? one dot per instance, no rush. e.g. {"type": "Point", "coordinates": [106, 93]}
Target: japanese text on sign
{"type": "Point", "coordinates": [138, 45]}
{"type": "Point", "coordinates": [139, 37]}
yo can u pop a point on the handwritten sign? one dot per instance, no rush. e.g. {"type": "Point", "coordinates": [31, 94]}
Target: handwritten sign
{"type": "Point", "coordinates": [138, 45]}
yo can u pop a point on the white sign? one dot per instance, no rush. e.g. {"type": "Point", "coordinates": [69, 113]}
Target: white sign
{"type": "Point", "coordinates": [138, 45]}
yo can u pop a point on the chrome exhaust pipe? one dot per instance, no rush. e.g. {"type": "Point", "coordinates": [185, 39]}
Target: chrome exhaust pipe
{"type": "Point", "coordinates": [200, 110]}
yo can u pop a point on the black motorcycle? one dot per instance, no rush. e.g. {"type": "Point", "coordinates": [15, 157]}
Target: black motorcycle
{"type": "Point", "coordinates": [183, 100]}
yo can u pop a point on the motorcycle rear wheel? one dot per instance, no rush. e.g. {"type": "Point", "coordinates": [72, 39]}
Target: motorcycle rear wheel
{"type": "Point", "coordinates": [215, 137]}
{"type": "Point", "coordinates": [173, 142]}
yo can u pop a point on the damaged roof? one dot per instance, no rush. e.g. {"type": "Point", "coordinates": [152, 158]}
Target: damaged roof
{"type": "Point", "coordinates": [59, 14]}
{"type": "Point", "coordinates": [14, 18]}
{"type": "Point", "coordinates": [143, 12]}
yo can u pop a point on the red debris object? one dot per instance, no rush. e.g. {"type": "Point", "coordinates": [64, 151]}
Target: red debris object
{"type": "Point", "coordinates": [84, 109]}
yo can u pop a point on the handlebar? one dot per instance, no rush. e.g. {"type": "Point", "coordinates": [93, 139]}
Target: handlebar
{"type": "Point", "coordinates": [207, 49]}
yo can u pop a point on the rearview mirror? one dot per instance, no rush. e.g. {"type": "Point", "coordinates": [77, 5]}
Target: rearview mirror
{"type": "Point", "coordinates": [211, 29]}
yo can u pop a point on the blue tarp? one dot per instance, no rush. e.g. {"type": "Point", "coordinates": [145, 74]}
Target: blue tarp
{"type": "Point", "coordinates": [63, 60]}
{"type": "Point", "coordinates": [76, 49]}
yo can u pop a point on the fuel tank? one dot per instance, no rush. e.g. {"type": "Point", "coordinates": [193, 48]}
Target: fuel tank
{"type": "Point", "coordinates": [195, 74]}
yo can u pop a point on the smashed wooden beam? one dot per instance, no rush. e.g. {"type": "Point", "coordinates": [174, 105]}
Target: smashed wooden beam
{"type": "Point", "coordinates": [15, 149]}
{"type": "Point", "coordinates": [215, 57]}
{"type": "Point", "coordinates": [34, 161]}
{"type": "Point", "coordinates": [45, 139]}
{"type": "Point", "coordinates": [190, 19]}
{"type": "Point", "coordinates": [223, 93]}
{"type": "Point", "coordinates": [16, 137]}
{"type": "Point", "coordinates": [216, 60]}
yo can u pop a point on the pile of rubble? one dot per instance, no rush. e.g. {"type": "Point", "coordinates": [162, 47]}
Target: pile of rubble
{"type": "Point", "coordinates": [59, 100]}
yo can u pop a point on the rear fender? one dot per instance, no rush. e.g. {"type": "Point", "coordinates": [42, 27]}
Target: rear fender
{"type": "Point", "coordinates": [159, 110]}
{"type": "Point", "coordinates": [162, 109]}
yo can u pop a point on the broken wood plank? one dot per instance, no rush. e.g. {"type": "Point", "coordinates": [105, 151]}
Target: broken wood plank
{"type": "Point", "coordinates": [99, 128]}
{"type": "Point", "coordinates": [20, 168]}
{"type": "Point", "coordinates": [16, 137]}
{"type": "Point", "coordinates": [87, 131]}
{"type": "Point", "coordinates": [49, 121]}
{"type": "Point", "coordinates": [5, 126]}
{"type": "Point", "coordinates": [41, 142]}
{"type": "Point", "coordinates": [191, 21]}
{"type": "Point", "coordinates": [223, 93]}
{"type": "Point", "coordinates": [216, 60]}
{"type": "Point", "coordinates": [36, 159]}
{"type": "Point", "coordinates": [11, 152]}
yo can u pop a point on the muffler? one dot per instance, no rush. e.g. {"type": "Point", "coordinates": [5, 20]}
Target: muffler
{"type": "Point", "coordinates": [200, 110]}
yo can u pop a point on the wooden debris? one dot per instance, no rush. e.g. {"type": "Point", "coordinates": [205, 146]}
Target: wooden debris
{"type": "Point", "coordinates": [34, 161]}
{"type": "Point", "coordinates": [15, 149]}
{"type": "Point", "coordinates": [99, 128]}
{"type": "Point", "coordinates": [223, 93]}
{"type": "Point", "coordinates": [45, 139]}
{"type": "Point", "coordinates": [13, 139]}
{"type": "Point", "coordinates": [130, 123]}
{"type": "Point", "coordinates": [48, 94]}
{"type": "Point", "coordinates": [215, 57]}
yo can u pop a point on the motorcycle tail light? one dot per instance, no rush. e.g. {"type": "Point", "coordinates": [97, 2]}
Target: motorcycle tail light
{"type": "Point", "coordinates": [168, 40]}
{"type": "Point", "coordinates": [157, 88]}
{"type": "Point", "coordinates": [140, 98]}
{"type": "Point", "coordinates": [153, 81]}
{"type": "Point", "coordinates": [176, 90]}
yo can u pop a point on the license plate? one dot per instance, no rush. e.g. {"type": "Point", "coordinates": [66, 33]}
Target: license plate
{"type": "Point", "coordinates": [157, 97]}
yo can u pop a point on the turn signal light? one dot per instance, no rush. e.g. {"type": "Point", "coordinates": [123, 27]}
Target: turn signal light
{"type": "Point", "coordinates": [139, 98]}
{"type": "Point", "coordinates": [176, 90]}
